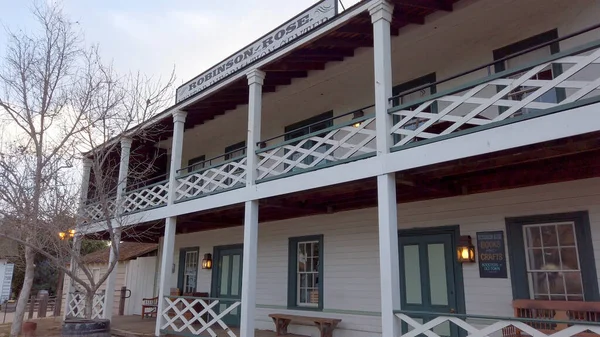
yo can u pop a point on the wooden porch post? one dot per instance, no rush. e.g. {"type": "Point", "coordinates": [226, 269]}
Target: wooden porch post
{"type": "Point", "coordinates": [381, 17]}
{"type": "Point", "coordinates": [121, 187]}
{"type": "Point", "coordinates": [248, 305]}
{"type": "Point", "coordinates": [170, 222]}
{"type": "Point", "coordinates": [83, 194]}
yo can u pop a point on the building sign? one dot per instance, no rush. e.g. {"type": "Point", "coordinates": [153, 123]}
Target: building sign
{"type": "Point", "coordinates": [6, 282]}
{"type": "Point", "coordinates": [284, 34]}
{"type": "Point", "coordinates": [491, 254]}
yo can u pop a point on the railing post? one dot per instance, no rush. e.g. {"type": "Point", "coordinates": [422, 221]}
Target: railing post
{"type": "Point", "coordinates": [171, 222]}
{"type": "Point", "coordinates": [114, 248]}
{"type": "Point", "coordinates": [248, 305]}
{"type": "Point", "coordinates": [381, 17]}
{"type": "Point", "coordinates": [83, 195]}
{"type": "Point", "coordinates": [42, 303]}
{"type": "Point", "coordinates": [31, 307]}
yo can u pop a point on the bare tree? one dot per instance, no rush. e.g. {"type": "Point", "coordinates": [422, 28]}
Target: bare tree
{"type": "Point", "coordinates": [58, 100]}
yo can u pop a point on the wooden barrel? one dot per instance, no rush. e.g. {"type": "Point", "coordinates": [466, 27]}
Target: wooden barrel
{"type": "Point", "coordinates": [86, 328]}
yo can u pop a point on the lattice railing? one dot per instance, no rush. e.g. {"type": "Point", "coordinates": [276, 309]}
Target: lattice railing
{"type": "Point", "coordinates": [98, 211]}
{"type": "Point", "coordinates": [558, 80]}
{"type": "Point", "coordinates": [198, 316]}
{"type": "Point", "coordinates": [223, 176]}
{"type": "Point", "coordinates": [414, 324]}
{"type": "Point", "coordinates": [151, 196]}
{"type": "Point", "coordinates": [331, 146]}
{"type": "Point", "coordinates": [76, 305]}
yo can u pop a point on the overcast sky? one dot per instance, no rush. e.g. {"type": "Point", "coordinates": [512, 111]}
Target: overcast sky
{"type": "Point", "coordinates": [154, 35]}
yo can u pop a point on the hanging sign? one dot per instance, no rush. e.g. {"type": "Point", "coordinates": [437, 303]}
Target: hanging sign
{"type": "Point", "coordinates": [491, 254]}
{"type": "Point", "coordinates": [284, 34]}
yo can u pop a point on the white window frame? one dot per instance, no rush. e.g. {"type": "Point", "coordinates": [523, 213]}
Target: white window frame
{"type": "Point", "coordinates": [190, 262]}
{"type": "Point", "coordinates": [313, 274]}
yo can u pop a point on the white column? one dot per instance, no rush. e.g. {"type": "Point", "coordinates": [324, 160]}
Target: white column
{"type": "Point", "coordinates": [255, 82]}
{"type": "Point", "coordinates": [114, 249]}
{"type": "Point", "coordinates": [171, 222]}
{"type": "Point", "coordinates": [248, 306]}
{"type": "Point", "coordinates": [83, 194]}
{"type": "Point", "coordinates": [381, 17]}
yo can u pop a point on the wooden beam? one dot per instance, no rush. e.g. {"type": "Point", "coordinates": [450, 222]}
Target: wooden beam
{"type": "Point", "coordinates": [403, 18]}
{"type": "Point", "coordinates": [426, 4]}
{"type": "Point", "coordinates": [340, 52]}
{"type": "Point", "coordinates": [285, 74]}
{"type": "Point", "coordinates": [342, 43]}
{"type": "Point", "coordinates": [295, 66]}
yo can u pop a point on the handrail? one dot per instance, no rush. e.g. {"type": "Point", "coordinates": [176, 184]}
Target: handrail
{"type": "Point", "coordinates": [315, 123]}
{"type": "Point", "coordinates": [211, 166]}
{"type": "Point", "coordinates": [205, 298]}
{"type": "Point", "coordinates": [157, 178]}
{"type": "Point", "coordinates": [211, 159]}
{"type": "Point", "coordinates": [576, 50]}
{"type": "Point", "coordinates": [315, 133]}
{"type": "Point", "coordinates": [147, 186]}
{"type": "Point", "coordinates": [492, 318]}
{"type": "Point", "coordinates": [493, 63]}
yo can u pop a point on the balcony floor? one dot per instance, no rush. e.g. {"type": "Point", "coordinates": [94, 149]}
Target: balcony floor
{"type": "Point", "coordinates": [126, 326]}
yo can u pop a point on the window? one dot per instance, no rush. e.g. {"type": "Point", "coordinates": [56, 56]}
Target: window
{"type": "Point", "coordinates": [407, 86]}
{"type": "Point", "coordinates": [551, 257]}
{"type": "Point", "coordinates": [553, 268]}
{"type": "Point", "coordinates": [96, 275]}
{"type": "Point", "coordinates": [305, 279]}
{"type": "Point", "coordinates": [553, 96]}
{"type": "Point", "coordinates": [196, 163]}
{"type": "Point", "coordinates": [188, 270]}
{"type": "Point", "coordinates": [305, 127]}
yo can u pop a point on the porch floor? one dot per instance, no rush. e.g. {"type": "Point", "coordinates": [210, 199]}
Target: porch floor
{"type": "Point", "coordinates": [135, 326]}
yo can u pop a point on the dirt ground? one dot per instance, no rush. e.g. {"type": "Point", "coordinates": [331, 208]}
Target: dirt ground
{"type": "Point", "coordinates": [46, 327]}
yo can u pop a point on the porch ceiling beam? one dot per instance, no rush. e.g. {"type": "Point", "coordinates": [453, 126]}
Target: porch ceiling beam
{"type": "Point", "coordinates": [340, 52]}
{"type": "Point", "coordinates": [285, 74]}
{"type": "Point", "coordinates": [427, 4]}
{"type": "Point", "coordinates": [281, 204]}
{"type": "Point", "coordinates": [295, 66]}
{"type": "Point", "coordinates": [312, 59]}
{"type": "Point", "coordinates": [399, 19]}
{"type": "Point", "coordinates": [343, 43]}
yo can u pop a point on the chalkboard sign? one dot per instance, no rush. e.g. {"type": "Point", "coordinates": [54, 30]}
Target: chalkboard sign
{"type": "Point", "coordinates": [491, 254]}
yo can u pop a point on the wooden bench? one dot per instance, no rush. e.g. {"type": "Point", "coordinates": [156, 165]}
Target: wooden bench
{"type": "Point", "coordinates": [149, 307]}
{"type": "Point", "coordinates": [325, 325]}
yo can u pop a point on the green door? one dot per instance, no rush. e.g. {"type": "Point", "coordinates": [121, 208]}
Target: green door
{"type": "Point", "coordinates": [427, 277]}
{"type": "Point", "coordinates": [228, 285]}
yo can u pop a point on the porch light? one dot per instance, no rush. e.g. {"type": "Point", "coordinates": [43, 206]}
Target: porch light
{"type": "Point", "coordinates": [207, 261]}
{"type": "Point", "coordinates": [465, 250]}
{"type": "Point", "coordinates": [358, 114]}
{"type": "Point", "coordinates": [67, 235]}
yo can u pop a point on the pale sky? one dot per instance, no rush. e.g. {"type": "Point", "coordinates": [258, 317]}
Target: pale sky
{"type": "Point", "coordinates": [153, 36]}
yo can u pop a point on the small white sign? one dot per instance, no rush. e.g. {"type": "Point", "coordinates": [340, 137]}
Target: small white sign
{"type": "Point", "coordinates": [282, 35]}
{"type": "Point", "coordinates": [6, 282]}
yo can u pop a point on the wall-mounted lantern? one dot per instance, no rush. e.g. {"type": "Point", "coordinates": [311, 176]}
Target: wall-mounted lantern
{"type": "Point", "coordinates": [358, 114]}
{"type": "Point", "coordinates": [207, 261]}
{"type": "Point", "coordinates": [465, 250]}
{"type": "Point", "coordinates": [67, 235]}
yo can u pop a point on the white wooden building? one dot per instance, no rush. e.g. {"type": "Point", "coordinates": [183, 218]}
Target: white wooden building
{"type": "Point", "coordinates": [337, 166]}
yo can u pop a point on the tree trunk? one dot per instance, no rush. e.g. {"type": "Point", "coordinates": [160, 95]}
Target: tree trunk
{"type": "Point", "coordinates": [15, 329]}
{"type": "Point", "coordinates": [89, 304]}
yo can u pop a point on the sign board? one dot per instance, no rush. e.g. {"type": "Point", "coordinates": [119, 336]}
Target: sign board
{"type": "Point", "coordinates": [491, 254]}
{"type": "Point", "coordinates": [6, 282]}
{"type": "Point", "coordinates": [303, 23]}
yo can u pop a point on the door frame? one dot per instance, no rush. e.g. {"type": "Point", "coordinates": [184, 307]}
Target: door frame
{"type": "Point", "coordinates": [454, 231]}
{"type": "Point", "coordinates": [214, 284]}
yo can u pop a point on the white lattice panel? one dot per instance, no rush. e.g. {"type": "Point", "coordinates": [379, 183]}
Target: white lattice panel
{"type": "Point", "coordinates": [97, 211]}
{"type": "Point", "coordinates": [213, 179]}
{"type": "Point", "coordinates": [76, 306]}
{"type": "Point", "coordinates": [339, 144]}
{"type": "Point", "coordinates": [179, 315]}
{"type": "Point", "coordinates": [415, 328]}
{"type": "Point", "coordinates": [152, 196]}
{"type": "Point", "coordinates": [541, 87]}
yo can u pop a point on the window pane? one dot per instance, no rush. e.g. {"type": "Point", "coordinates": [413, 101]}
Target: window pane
{"type": "Point", "coordinates": [438, 286]}
{"type": "Point", "coordinates": [533, 237]}
{"type": "Point", "coordinates": [549, 237]}
{"type": "Point", "coordinates": [573, 283]}
{"type": "Point", "coordinates": [224, 275]}
{"type": "Point", "coordinates": [536, 259]}
{"type": "Point", "coordinates": [566, 235]}
{"type": "Point", "coordinates": [569, 259]}
{"type": "Point", "coordinates": [412, 274]}
{"type": "Point", "coordinates": [235, 275]}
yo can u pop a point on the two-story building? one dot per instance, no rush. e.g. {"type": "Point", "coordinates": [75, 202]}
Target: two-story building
{"type": "Point", "coordinates": [391, 164]}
